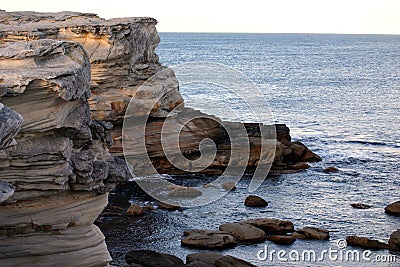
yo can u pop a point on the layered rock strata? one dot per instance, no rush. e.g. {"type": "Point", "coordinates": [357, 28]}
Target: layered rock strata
{"type": "Point", "coordinates": [122, 57]}
{"type": "Point", "coordinates": [55, 157]}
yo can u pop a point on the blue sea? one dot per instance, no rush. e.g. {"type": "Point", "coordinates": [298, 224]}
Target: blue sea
{"type": "Point", "coordinates": [339, 95]}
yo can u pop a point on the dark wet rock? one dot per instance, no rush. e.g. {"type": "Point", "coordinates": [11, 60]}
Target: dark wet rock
{"type": "Point", "coordinates": [330, 169]}
{"type": "Point", "coordinates": [118, 170]}
{"type": "Point", "coordinates": [101, 130]}
{"type": "Point", "coordinates": [183, 191]}
{"type": "Point", "coordinates": [149, 258]}
{"type": "Point", "coordinates": [230, 261]}
{"type": "Point", "coordinates": [244, 232]}
{"type": "Point", "coordinates": [360, 206]}
{"type": "Point", "coordinates": [228, 186]}
{"type": "Point", "coordinates": [135, 210]}
{"type": "Point", "coordinates": [394, 241]}
{"type": "Point", "coordinates": [365, 243]}
{"type": "Point", "coordinates": [393, 209]}
{"type": "Point", "coordinates": [272, 226]}
{"type": "Point", "coordinates": [211, 259]}
{"type": "Point", "coordinates": [255, 201]}
{"type": "Point", "coordinates": [281, 239]}
{"type": "Point", "coordinates": [208, 239]}
{"type": "Point", "coordinates": [201, 259]}
{"type": "Point", "coordinates": [311, 233]}
{"type": "Point", "coordinates": [302, 154]}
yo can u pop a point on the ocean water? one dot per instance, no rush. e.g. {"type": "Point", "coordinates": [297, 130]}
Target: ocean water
{"type": "Point", "coordinates": [340, 95]}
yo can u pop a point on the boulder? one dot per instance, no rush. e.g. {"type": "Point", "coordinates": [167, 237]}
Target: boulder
{"type": "Point", "coordinates": [135, 210]}
{"type": "Point", "coordinates": [394, 241]}
{"type": "Point", "coordinates": [200, 259]}
{"type": "Point", "coordinates": [150, 258]}
{"type": "Point", "coordinates": [311, 233]}
{"type": "Point", "coordinates": [365, 243]}
{"type": "Point", "coordinates": [208, 239]}
{"type": "Point", "coordinates": [255, 201]}
{"type": "Point", "coordinates": [393, 208]}
{"type": "Point", "coordinates": [272, 226]}
{"type": "Point", "coordinates": [302, 154]}
{"type": "Point", "coordinates": [210, 259]}
{"type": "Point", "coordinates": [281, 239]}
{"type": "Point", "coordinates": [244, 232]}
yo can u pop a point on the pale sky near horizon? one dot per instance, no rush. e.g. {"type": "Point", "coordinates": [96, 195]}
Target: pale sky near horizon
{"type": "Point", "coordinates": [268, 16]}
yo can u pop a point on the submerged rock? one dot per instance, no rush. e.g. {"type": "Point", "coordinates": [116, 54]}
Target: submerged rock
{"type": "Point", "coordinates": [150, 258]}
{"type": "Point", "coordinates": [281, 239]}
{"type": "Point", "coordinates": [244, 232]}
{"type": "Point", "coordinates": [255, 201]}
{"type": "Point", "coordinates": [330, 169]}
{"type": "Point", "coordinates": [182, 191]}
{"type": "Point", "coordinates": [360, 206]}
{"type": "Point", "coordinates": [208, 239]}
{"type": "Point", "coordinates": [365, 243]}
{"type": "Point", "coordinates": [393, 208]}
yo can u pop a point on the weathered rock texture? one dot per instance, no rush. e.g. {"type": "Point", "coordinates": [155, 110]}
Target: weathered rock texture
{"type": "Point", "coordinates": [57, 164]}
{"type": "Point", "coordinates": [121, 53]}
{"type": "Point", "coordinates": [122, 57]}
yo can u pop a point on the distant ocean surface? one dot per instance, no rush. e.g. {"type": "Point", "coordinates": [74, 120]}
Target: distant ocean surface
{"type": "Point", "coordinates": [339, 95]}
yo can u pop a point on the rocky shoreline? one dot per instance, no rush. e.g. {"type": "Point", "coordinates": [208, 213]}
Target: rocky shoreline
{"type": "Point", "coordinates": [66, 80]}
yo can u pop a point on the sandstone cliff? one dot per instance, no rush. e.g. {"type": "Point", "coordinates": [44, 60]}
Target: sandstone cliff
{"type": "Point", "coordinates": [49, 155]}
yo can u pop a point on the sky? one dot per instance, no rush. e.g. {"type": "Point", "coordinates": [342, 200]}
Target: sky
{"type": "Point", "coordinates": [264, 16]}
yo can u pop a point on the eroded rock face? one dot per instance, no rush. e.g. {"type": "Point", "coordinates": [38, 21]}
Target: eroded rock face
{"type": "Point", "coordinates": [121, 53]}
{"type": "Point", "coordinates": [58, 170]}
